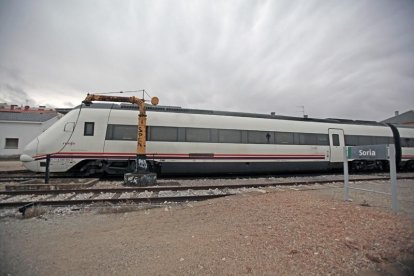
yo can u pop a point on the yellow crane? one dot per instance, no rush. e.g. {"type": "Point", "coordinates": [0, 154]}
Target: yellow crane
{"type": "Point", "coordinates": [142, 122]}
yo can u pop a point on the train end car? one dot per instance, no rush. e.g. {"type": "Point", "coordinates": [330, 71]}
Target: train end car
{"type": "Point", "coordinates": [406, 139]}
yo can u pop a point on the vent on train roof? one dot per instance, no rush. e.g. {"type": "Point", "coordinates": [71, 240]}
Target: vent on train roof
{"type": "Point", "coordinates": [366, 122]}
{"type": "Point", "coordinates": [340, 120]}
{"type": "Point", "coordinates": [150, 107]}
{"type": "Point", "coordinates": [163, 107]}
{"type": "Point", "coordinates": [352, 121]}
{"type": "Point", "coordinates": [128, 106]}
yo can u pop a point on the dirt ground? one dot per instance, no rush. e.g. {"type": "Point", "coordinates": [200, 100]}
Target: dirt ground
{"type": "Point", "coordinates": [11, 165]}
{"type": "Point", "coordinates": [277, 232]}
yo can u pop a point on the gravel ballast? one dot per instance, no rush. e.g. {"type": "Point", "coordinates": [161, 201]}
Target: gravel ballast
{"type": "Point", "coordinates": [277, 232]}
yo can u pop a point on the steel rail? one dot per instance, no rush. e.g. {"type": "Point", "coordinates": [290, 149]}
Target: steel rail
{"type": "Point", "coordinates": [183, 188]}
{"type": "Point", "coordinates": [111, 200]}
{"type": "Point", "coordinates": [37, 176]}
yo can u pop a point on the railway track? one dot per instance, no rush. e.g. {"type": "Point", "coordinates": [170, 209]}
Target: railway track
{"type": "Point", "coordinates": [154, 194]}
{"type": "Point", "coordinates": [28, 176]}
{"type": "Point", "coordinates": [151, 200]}
{"type": "Point", "coordinates": [183, 188]}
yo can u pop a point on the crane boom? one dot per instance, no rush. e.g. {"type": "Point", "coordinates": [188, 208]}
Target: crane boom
{"type": "Point", "coordinates": [142, 120]}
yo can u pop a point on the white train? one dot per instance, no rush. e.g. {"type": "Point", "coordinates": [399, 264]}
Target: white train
{"type": "Point", "coordinates": [101, 138]}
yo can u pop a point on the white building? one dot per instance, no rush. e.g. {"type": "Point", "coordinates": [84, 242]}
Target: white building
{"type": "Point", "coordinates": [19, 126]}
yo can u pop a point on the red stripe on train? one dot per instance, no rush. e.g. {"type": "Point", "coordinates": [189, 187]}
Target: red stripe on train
{"type": "Point", "coordinates": [183, 156]}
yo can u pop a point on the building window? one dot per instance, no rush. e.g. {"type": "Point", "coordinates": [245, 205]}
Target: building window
{"type": "Point", "coordinates": [12, 143]}
{"type": "Point", "coordinates": [89, 129]}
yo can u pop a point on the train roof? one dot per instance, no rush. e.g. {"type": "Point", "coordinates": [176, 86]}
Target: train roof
{"type": "Point", "coordinates": [176, 109]}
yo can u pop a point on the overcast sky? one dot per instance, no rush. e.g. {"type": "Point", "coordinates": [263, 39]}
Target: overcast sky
{"type": "Point", "coordinates": [344, 59]}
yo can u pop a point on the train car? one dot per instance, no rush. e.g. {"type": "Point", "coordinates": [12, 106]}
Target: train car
{"type": "Point", "coordinates": [101, 138]}
{"type": "Point", "coordinates": [406, 145]}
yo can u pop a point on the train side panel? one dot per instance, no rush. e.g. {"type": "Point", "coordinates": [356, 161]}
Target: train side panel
{"type": "Point", "coordinates": [407, 147]}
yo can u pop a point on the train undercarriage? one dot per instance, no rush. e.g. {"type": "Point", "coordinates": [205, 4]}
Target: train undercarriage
{"type": "Point", "coordinates": [120, 167]}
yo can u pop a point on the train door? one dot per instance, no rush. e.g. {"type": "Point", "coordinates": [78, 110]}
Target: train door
{"type": "Point", "coordinates": [336, 143]}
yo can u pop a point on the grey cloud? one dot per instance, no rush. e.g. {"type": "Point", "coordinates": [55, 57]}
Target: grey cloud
{"type": "Point", "coordinates": [11, 88]}
{"type": "Point", "coordinates": [339, 59]}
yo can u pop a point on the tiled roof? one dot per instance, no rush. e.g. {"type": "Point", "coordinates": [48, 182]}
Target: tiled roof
{"type": "Point", "coordinates": [27, 116]}
{"type": "Point", "coordinates": [406, 117]}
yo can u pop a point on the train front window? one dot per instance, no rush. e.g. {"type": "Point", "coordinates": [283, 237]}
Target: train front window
{"type": "Point", "coordinates": [89, 129]}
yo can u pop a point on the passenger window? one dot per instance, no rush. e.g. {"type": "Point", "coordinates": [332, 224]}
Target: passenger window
{"type": "Point", "coordinates": [260, 137]}
{"type": "Point", "coordinates": [197, 135]}
{"type": "Point", "coordinates": [411, 142]}
{"type": "Point", "coordinates": [168, 134]}
{"type": "Point", "coordinates": [351, 140]}
{"type": "Point", "coordinates": [406, 142]}
{"type": "Point", "coordinates": [124, 132]}
{"type": "Point", "coordinates": [366, 140]}
{"type": "Point", "coordinates": [284, 138]}
{"type": "Point", "coordinates": [109, 132]}
{"type": "Point", "coordinates": [89, 129]}
{"type": "Point", "coordinates": [229, 136]}
{"type": "Point", "coordinates": [322, 139]}
{"type": "Point", "coordinates": [308, 139]}
{"type": "Point", "coordinates": [335, 139]}
{"type": "Point", "coordinates": [381, 140]}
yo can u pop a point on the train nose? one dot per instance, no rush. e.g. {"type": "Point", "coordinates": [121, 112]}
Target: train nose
{"type": "Point", "coordinates": [27, 157]}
